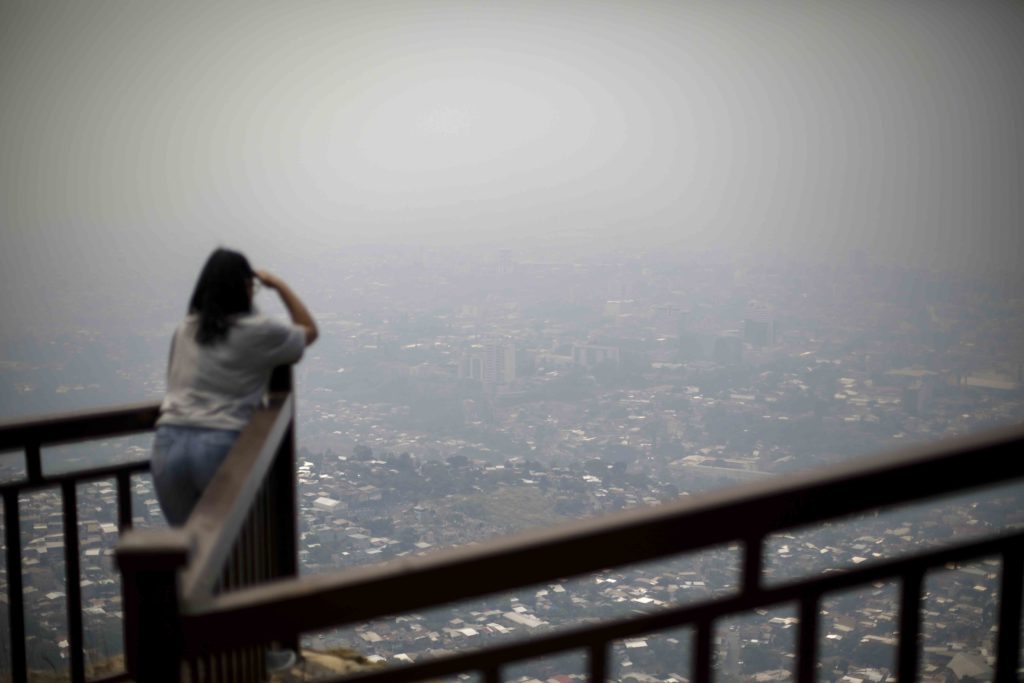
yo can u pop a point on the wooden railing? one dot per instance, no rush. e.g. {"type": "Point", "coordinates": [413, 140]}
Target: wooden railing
{"type": "Point", "coordinates": [204, 601]}
{"type": "Point", "coordinates": [29, 437]}
{"type": "Point", "coordinates": [745, 515]}
{"type": "Point", "coordinates": [241, 533]}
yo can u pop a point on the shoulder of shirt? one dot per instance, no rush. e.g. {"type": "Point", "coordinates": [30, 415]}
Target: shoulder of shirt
{"type": "Point", "coordinates": [258, 320]}
{"type": "Point", "coordinates": [259, 324]}
{"type": "Point", "coordinates": [188, 322]}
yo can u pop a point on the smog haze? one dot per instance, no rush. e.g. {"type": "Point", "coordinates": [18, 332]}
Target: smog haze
{"type": "Point", "coordinates": [135, 137]}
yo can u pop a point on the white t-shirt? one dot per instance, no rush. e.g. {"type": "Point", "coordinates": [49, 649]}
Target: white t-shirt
{"type": "Point", "coordinates": [219, 385]}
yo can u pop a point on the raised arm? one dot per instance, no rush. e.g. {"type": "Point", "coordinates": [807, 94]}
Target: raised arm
{"type": "Point", "coordinates": [296, 309]}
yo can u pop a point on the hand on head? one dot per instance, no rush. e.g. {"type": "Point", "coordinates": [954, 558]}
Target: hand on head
{"type": "Point", "coordinates": [267, 279]}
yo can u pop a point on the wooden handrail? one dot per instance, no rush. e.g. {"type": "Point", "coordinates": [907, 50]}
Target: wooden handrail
{"type": "Point", "coordinates": [241, 532]}
{"type": "Point", "coordinates": [82, 475]}
{"type": "Point", "coordinates": [220, 513]}
{"type": "Point", "coordinates": [258, 471]}
{"type": "Point", "coordinates": [78, 426]}
{"type": "Point", "coordinates": [574, 638]}
{"type": "Point", "coordinates": [30, 436]}
{"type": "Point", "coordinates": [173, 577]}
{"type": "Point", "coordinates": [745, 514]}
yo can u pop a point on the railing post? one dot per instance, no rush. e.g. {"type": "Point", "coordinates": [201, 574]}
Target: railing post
{"type": "Point", "coordinates": [1009, 616]}
{"type": "Point", "coordinates": [15, 587]}
{"type": "Point", "coordinates": [909, 653]}
{"type": "Point", "coordinates": [150, 562]}
{"type": "Point", "coordinates": [282, 486]}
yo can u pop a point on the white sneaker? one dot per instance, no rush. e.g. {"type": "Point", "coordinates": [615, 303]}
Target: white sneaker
{"type": "Point", "coordinates": [279, 660]}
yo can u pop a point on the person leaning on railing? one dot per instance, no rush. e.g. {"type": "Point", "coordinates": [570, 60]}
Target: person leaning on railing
{"type": "Point", "coordinates": [221, 358]}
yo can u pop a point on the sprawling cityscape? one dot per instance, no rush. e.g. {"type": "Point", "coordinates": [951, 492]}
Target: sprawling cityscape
{"type": "Point", "coordinates": [458, 395]}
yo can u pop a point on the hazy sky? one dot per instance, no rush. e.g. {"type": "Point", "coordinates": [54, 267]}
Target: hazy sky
{"type": "Point", "coordinates": [136, 136]}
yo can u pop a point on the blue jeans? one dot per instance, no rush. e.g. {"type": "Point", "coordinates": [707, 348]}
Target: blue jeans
{"type": "Point", "coordinates": [183, 463]}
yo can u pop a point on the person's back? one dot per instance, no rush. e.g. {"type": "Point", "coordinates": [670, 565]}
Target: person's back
{"type": "Point", "coordinates": [219, 385]}
{"type": "Point", "coordinates": [221, 358]}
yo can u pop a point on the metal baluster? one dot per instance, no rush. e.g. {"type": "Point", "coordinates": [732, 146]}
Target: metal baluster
{"type": "Point", "coordinates": [702, 656]}
{"type": "Point", "coordinates": [250, 548]}
{"type": "Point", "coordinates": [910, 624]}
{"type": "Point", "coordinates": [268, 533]}
{"type": "Point", "coordinates": [599, 662]}
{"type": "Point", "coordinates": [73, 581]}
{"type": "Point", "coordinates": [15, 594]}
{"type": "Point", "coordinates": [124, 501]}
{"type": "Point", "coordinates": [807, 646]}
{"type": "Point", "coordinates": [752, 558]}
{"type": "Point", "coordinates": [261, 548]}
{"type": "Point", "coordinates": [1008, 652]}
{"type": "Point", "coordinates": [492, 674]}
{"type": "Point", "coordinates": [34, 463]}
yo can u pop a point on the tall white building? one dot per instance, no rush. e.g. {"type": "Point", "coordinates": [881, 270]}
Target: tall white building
{"type": "Point", "coordinates": [489, 363]}
{"type": "Point", "coordinates": [589, 355]}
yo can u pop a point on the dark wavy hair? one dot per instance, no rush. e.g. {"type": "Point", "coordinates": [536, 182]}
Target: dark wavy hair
{"type": "Point", "coordinates": [221, 293]}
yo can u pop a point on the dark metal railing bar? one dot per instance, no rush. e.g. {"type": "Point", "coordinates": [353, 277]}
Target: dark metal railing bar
{"type": "Point", "coordinates": [909, 653]}
{"type": "Point", "coordinates": [33, 463]}
{"type": "Point", "coordinates": [73, 581]}
{"type": "Point", "coordinates": [570, 639]}
{"type": "Point", "coordinates": [248, 553]}
{"type": "Point", "coordinates": [85, 475]}
{"type": "Point", "coordinates": [807, 641]}
{"type": "Point", "coordinates": [234, 582]}
{"type": "Point", "coordinates": [597, 657]}
{"type": "Point", "coordinates": [287, 529]}
{"type": "Point", "coordinates": [272, 536]}
{"type": "Point", "coordinates": [288, 520]}
{"type": "Point", "coordinates": [15, 594]}
{"type": "Point", "coordinates": [124, 501]}
{"type": "Point", "coordinates": [239, 665]}
{"type": "Point", "coordinates": [252, 559]}
{"type": "Point", "coordinates": [236, 566]}
{"type": "Point", "coordinates": [753, 554]}
{"type": "Point", "coordinates": [264, 547]}
{"type": "Point", "coordinates": [1010, 595]}
{"type": "Point", "coordinates": [249, 670]}
{"type": "Point", "coordinates": [491, 674]}
{"type": "Point", "coordinates": [226, 582]}
{"type": "Point", "coordinates": [243, 555]}
{"type": "Point", "coordinates": [702, 652]}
